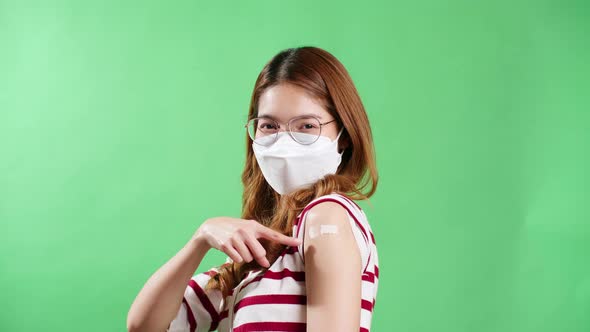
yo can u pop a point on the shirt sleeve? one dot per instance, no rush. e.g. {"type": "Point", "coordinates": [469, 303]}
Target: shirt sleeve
{"type": "Point", "coordinates": [357, 220]}
{"type": "Point", "coordinates": [200, 308]}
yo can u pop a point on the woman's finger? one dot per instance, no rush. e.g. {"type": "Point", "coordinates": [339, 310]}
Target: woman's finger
{"type": "Point", "coordinates": [231, 252]}
{"type": "Point", "coordinates": [257, 250]}
{"type": "Point", "coordinates": [278, 237]}
{"type": "Point", "coordinates": [242, 249]}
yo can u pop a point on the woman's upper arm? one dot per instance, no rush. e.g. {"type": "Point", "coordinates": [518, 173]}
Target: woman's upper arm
{"type": "Point", "coordinates": [332, 269]}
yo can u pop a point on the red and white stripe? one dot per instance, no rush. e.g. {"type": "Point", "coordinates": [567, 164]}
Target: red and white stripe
{"type": "Point", "coordinates": [276, 299]}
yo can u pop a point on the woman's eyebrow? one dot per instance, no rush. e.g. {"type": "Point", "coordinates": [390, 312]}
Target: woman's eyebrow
{"type": "Point", "coordinates": [274, 118]}
{"type": "Point", "coordinates": [266, 116]}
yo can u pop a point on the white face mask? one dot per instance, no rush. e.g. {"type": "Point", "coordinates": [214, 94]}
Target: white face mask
{"type": "Point", "coordinates": [288, 165]}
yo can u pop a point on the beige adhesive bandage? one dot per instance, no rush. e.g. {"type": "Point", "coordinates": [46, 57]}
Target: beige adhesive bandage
{"type": "Point", "coordinates": [323, 229]}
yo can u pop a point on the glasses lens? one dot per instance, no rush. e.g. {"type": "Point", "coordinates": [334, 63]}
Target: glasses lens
{"type": "Point", "coordinates": [262, 130]}
{"type": "Point", "coordinates": [305, 130]}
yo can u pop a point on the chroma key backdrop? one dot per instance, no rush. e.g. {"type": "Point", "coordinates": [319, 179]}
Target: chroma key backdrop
{"type": "Point", "coordinates": [121, 131]}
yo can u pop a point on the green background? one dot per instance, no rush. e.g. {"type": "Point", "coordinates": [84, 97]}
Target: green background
{"type": "Point", "coordinates": [121, 131]}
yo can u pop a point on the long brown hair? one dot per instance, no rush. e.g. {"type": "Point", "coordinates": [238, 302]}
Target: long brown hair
{"type": "Point", "coordinates": [325, 78]}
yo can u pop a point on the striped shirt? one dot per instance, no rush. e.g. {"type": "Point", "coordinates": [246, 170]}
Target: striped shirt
{"type": "Point", "coordinates": [275, 299]}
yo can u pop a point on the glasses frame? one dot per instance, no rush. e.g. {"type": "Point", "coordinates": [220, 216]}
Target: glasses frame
{"type": "Point", "coordinates": [276, 135]}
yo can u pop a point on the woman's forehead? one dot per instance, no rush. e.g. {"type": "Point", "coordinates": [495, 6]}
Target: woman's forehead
{"type": "Point", "coordinates": [285, 101]}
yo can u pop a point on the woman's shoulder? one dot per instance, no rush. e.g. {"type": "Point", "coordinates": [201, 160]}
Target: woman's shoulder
{"type": "Point", "coordinates": [339, 198]}
{"type": "Point", "coordinates": [341, 212]}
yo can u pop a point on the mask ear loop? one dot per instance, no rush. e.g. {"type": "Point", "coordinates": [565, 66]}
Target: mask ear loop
{"type": "Point", "coordinates": [336, 140]}
{"type": "Point", "coordinates": [340, 133]}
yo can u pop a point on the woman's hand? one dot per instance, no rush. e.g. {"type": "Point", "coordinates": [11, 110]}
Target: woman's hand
{"type": "Point", "coordinates": [238, 238]}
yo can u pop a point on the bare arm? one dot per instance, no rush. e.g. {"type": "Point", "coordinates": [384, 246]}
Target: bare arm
{"type": "Point", "coordinates": [332, 269]}
{"type": "Point", "coordinates": [159, 300]}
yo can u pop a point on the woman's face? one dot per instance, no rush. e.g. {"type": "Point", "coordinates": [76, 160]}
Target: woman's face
{"type": "Point", "coordinates": [285, 101]}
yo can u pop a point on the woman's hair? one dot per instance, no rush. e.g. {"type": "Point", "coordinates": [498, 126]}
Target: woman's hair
{"type": "Point", "coordinates": [324, 78]}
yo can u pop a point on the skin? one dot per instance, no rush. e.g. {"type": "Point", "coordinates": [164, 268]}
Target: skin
{"type": "Point", "coordinates": [332, 264]}
{"type": "Point", "coordinates": [327, 273]}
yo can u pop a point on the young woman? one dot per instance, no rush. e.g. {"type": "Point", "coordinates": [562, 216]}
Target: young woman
{"type": "Point", "coordinates": [302, 257]}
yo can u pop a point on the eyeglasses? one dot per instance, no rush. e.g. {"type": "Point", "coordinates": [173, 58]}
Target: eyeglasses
{"type": "Point", "coordinates": [304, 129]}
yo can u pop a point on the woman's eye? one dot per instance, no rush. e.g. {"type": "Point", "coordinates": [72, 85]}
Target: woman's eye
{"type": "Point", "coordinates": [308, 126]}
{"type": "Point", "coordinates": [267, 126]}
